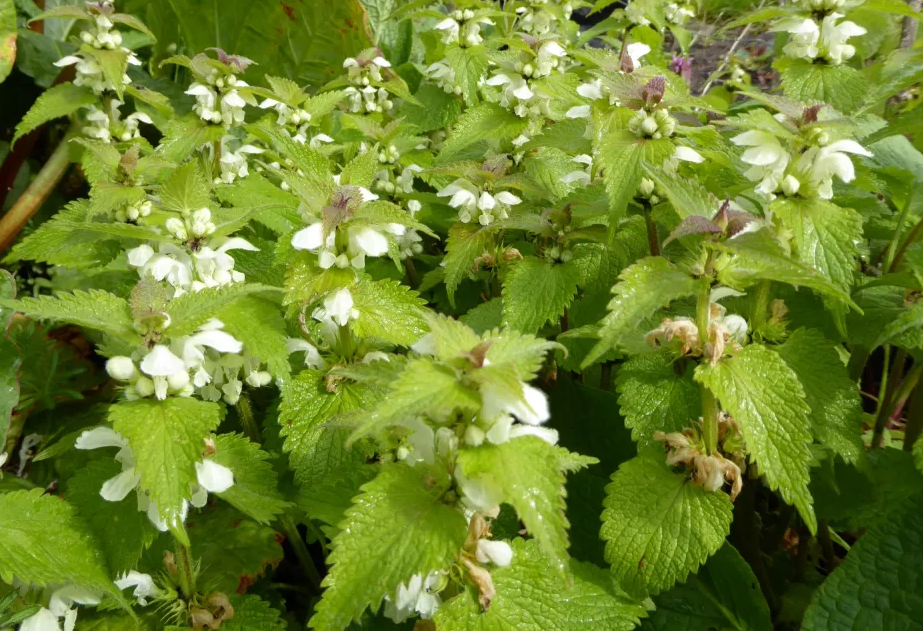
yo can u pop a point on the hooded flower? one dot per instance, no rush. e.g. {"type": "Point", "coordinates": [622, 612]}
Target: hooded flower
{"type": "Point", "coordinates": [61, 606]}
{"type": "Point", "coordinates": [767, 157]}
{"type": "Point", "coordinates": [143, 584]}
{"type": "Point", "coordinates": [820, 164]}
{"type": "Point", "coordinates": [418, 595]}
{"type": "Point", "coordinates": [804, 36]}
{"type": "Point", "coordinates": [833, 38]}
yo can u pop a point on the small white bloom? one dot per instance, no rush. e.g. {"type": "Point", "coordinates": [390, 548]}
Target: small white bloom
{"type": "Point", "coordinates": [143, 584]}
{"type": "Point", "coordinates": [161, 362]}
{"type": "Point", "coordinates": [121, 368]}
{"type": "Point", "coordinates": [214, 477]}
{"type": "Point", "coordinates": [339, 307]}
{"type": "Point", "coordinates": [497, 552]}
{"type": "Point", "coordinates": [833, 38]}
{"type": "Point", "coordinates": [804, 33]}
{"type": "Point", "coordinates": [635, 51]}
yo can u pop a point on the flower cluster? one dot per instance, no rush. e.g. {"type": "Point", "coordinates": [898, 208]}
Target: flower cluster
{"type": "Point", "coordinates": [710, 471]}
{"type": "Point", "coordinates": [61, 606]}
{"type": "Point", "coordinates": [677, 14]}
{"type": "Point", "coordinates": [470, 199]}
{"type": "Point", "coordinates": [827, 40]}
{"type": "Point", "coordinates": [811, 173]}
{"type": "Point", "coordinates": [219, 99]}
{"type": "Point", "coordinates": [211, 477]}
{"type": "Point", "coordinates": [725, 332]}
{"type": "Point", "coordinates": [368, 99]}
{"type": "Point", "coordinates": [462, 27]}
{"type": "Point", "coordinates": [658, 124]}
{"type": "Point", "coordinates": [514, 79]}
{"type": "Point", "coordinates": [537, 20]}
{"type": "Point", "coordinates": [105, 126]}
{"type": "Point", "coordinates": [234, 164]}
{"type": "Point", "coordinates": [89, 71]}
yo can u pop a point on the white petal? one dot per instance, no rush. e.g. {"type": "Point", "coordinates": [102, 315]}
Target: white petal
{"type": "Point", "coordinates": [221, 341]}
{"type": "Point", "coordinates": [367, 195]}
{"type": "Point", "coordinates": [578, 111]}
{"type": "Point", "coordinates": [237, 243]}
{"type": "Point", "coordinates": [213, 477]}
{"type": "Point", "coordinates": [161, 362]}
{"type": "Point", "coordinates": [42, 620]}
{"type": "Point", "coordinates": [140, 255]}
{"type": "Point", "coordinates": [535, 410]}
{"type": "Point", "coordinates": [382, 62]}
{"type": "Point", "coordinates": [547, 434]}
{"type": "Point", "coordinates": [688, 155]}
{"type": "Point", "coordinates": [100, 437]}
{"type": "Point", "coordinates": [497, 552]}
{"type": "Point", "coordinates": [426, 345]}
{"type": "Point", "coordinates": [753, 138]}
{"type": "Point", "coordinates": [523, 92]}
{"type": "Point", "coordinates": [507, 198]}
{"type": "Point", "coordinates": [268, 103]}
{"type": "Point", "coordinates": [117, 488]}
{"type": "Point", "coordinates": [197, 89]}
{"type": "Point", "coordinates": [370, 241]}
{"type": "Point", "coordinates": [310, 238]}
{"type": "Point", "coordinates": [849, 146]}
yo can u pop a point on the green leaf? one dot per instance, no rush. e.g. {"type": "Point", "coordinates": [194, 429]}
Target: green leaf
{"type": "Point", "coordinates": [528, 474]}
{"type": "Point", "coordinates": [908, 319]}
{"type": "Point", "coordinates": [437, 108]}
{"type": "Point", "coordinates": [259, 326]}
{"type": "Point", "coordinates": [167, 438]}
{"type": "Point", "coordinates": [525, 352]}
{"type": "Point", "coordinates": [724, 594]}
{"type": "Point", "coordinates": [465, 244]}
{"type": "Point", "coordinates": [825, 236]}
{"type": "Point", "coordinates": [621, 154]}
{"type": "Point", "coordinates": [7, 38]}
{"type": "Point", "coordinates": [362, 169]}
{"type": "Point", "coordinates": [183, 136]}
{"type": "Point", "coordinates": [186, 190]}
{"type": "Point", "coordinates": [878, 586]}
{"type": "Point", "coordinates": [687, 196]}
{"type": "Point", "coordinates": [193, 309]}
{"type": "Point", "coordinates": [648, 285]}
{"type": "Point", "coordinates": [57, 101]}
{"type": "Point", "coordinates": [256, 487]}
{"type": "Point", "coordinates": [836, 408]}
{"type": "Point", "coordinates": [536, 292]}
{"type": "Point", "coordinates": [759, 257]}
{"type": "Point", "coordinates": [123, 531]}
{"type": "Point", "coordinates": [470, 65]}
{"type": "Point", "coordinates": [533, 597]}
{"type": "Point", "coordinates": [763, 394]}
{"type": "Point", "coordinates": [423, 388]}
{"type": "Point", "coordinates": [232, 551]}
{"type": "Point", "coordinates": [93, 309]}
{"type": "Point", "coordinates": [486, 121]}
{"type": "Point", "coordinates": [112, 62]}
{"type": "Point", "coordinates": [388, 310]}
{"type": "Point", "coordinates": [657, 393]}
{"type": "Point", "coordinates": [252, 613]}
{"type": "Point", "coordinates": [397, 527]}
{"type": "Point", "coordinates": [309, 416]}
{"type": "Point", "coordinates": [840, 86]}
{"type": "Point", "coordinates": [44, 541]}
{"type": "Point", "coordinates": [305, 282]}
{"type": "Point", "coordinates": [659, 526]}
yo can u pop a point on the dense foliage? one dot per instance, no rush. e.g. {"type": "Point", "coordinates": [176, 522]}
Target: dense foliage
{"type": "Point", "coordinates": [461, 316]}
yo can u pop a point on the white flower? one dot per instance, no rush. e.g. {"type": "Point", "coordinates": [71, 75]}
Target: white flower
{"type": "Point", "coordinates": [121, 368]}
{"type": "Point", "coordinates": [822, 163]}
{"type": "Point", "coordinates": [833, 38]}
{"type": "Point", "coordinates": [418, 596]}
{"type": "Point", "coordinates": [635, 14]}
{"type": "Point", "coordinates": [61, 605]}
{"type": "Point", "coordinates": [768, 158]}
{"type": "Point", "coordinates": [530, 408]}
{"type": "Point", "coordinates": [426, 345]}
{"type": "Point", "coordinates": [548, 58]}
{"type": "Point", "coordinates": [592, 90]}
{"type": "Point", "coordinates": [213, 477]}
{"type": "Point", "coordinates": [635, 51]}
{"type": "Point", "coordinates": [339, 307]}
{"type": "Point", "coordinates": [582, 176]}
{"type": "Point", "coordinates": [312, 358]}
{"type": "Point", "coordinates": [143, 584]}
{"type": "Point", "coordinates": [804, 33]}
{"type": "Point", "coordinates": [234, 163]}
{"type": "Point", "coordinates": [476, 494]}
{"type": "Point", "coordinates": [450, 29]}
{"type": "Point", "coordinates": [312, 238]}
{"type": "Point", "coordinates": [497, 552]}
{"type": "Point", "coordinates": [419, 445]}
{"type": "Point", "coordinates": [464, 197]}
{"type": "Point", "coordinates": [365, 241]}
{"type": "Point", "coordinates": [443, 75]}
{"type": "Point", "coordinates": [677, 14]}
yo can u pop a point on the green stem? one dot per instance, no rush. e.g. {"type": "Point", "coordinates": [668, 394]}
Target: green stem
{"type": "Point", "coordinates": [185, 569]}
{"type": "Point", "coordinates": [605, 376]}
{"type": "Point", "coordinates": [412, 275]}
{"type": "Point", "coordinates": [247, 420]}
{"type": "Point", "coordinates": [891, 252]}
{"type": "Point", "coordinates": [911, 237]}
{"type": "Point", "coordinates": [34, 196]}
{"type": "Point", "coordinates": [709, 420]}
{"type": "Point", "coordinates": [346, 341]}
{"type": "Point", "coordinates": [890, 381]}
{"type": "Point", "coordinates": [826, 544]}
{"type": "Point", "coordinates": [898, 396]}
{"type": "Point", "coordinates": [914, 418]}
{"type": "Point", "coordinates": [301, 551]}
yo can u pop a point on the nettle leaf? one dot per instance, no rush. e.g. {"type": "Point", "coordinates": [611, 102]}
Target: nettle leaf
{"type": "Point", "coordinates": [258, 324]}
{"type": "Point", "coordinates": [648, 285]}
{"type": "Point", "coordinates": [277, 209]}
{"type": "Point", "coordinates": [437, 109]}
{"type": "Point", "coordinates": [194, 308]}
{"type": "Point", "coordinates": [44, 541]}
{"type": "Point", "coordinates": [486, 121]}
{"type": "Point", "coordinates": [536, 292]}
{"type": "Point", "coordinates": [233, 551]}
{"type": "Point", "coordinates": [659, 526]}
{"type": "Point", "coordinates": [525, 352]}
{"type": "Point", "coordinates": [167, 438]}
{"type": "Point", "coordinates": [657, 393]}
{"type": "Point", "coordinates": [621, 154]}
{"type": "Point", "coordinates": [841, 86]}
{"type": "Point", "coordinates": [763, 394]}
{"type": "Point", "coordinates": [424, 387]}
{"type": "Point", "coordinates": [93, 309]}
{"type": "Point", "coordinates": [531, 596]}
{"type": "Point", "coordinates": [183, 136]}
{"type": "Point", "coordinates": [465, 244]}
{"type": "Point", "coordinates": [528, 474]}
{"type": "Point", "coordinates": [252, 613]}
{"type": "Point", "coordinates": [309, 416]}
{"type": "Point", "coordinates": [256, 486]}
{"type": "Point", "coordinates": [723, 594]}
{"type": "Point", "coordinates": [388, 310]}
{"type": "Point", "coordinates": [55, 102]}
{"type": "Point", "coordinates": [836, 407]}
{"type": "Point", "coordinates": [470, 66]}
{"type": "Point", "coordinates": [825, 236]}
{"type": "Point", "coordinates": [305, 282]}
{"type": "Point", "coordinates": [878, 586]}
{"type": "Point", "coordinates": [686, 195]}
{"type": "Point", "coordinates": [186, 190]}
{"type": "Point", "coordinates": [122, 530]}
{"type": "Point", "coordinates": [397, 527]}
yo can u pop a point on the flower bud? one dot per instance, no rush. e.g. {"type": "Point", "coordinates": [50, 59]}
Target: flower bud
{"type": "Point", "coordinates": [790, 185]}
{"type": "Point", "coordinates": [178, 380]}
{"type": "Point", "coordinates": [121, 368]}
{"type": "Point", "coordinates": [144, 387]}
{"type": "Point", "coordinates": [646, 188]}
{"type": "Point", "coordinates": [177, 228]}
{"type": "Point", "coordinates": [649, 126]}
{"type": "Point", "coordinates": [474, 436]}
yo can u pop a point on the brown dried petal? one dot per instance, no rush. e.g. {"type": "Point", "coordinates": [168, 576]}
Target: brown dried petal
{"type": "Point", "coordinates": [483, 581]}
